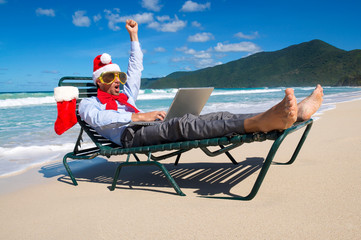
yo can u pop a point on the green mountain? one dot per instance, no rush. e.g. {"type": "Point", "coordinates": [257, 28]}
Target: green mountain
{"type": "Point", "coordinates": [304, 64]}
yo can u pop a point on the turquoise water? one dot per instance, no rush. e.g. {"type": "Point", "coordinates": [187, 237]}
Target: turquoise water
{"type": "Point", "coordinates": [27, 136]}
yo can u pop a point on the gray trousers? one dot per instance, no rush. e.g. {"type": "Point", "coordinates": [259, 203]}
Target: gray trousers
{"type": "Point", "coordinates": [188, 127]}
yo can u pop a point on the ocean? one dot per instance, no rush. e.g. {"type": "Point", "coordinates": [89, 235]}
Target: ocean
{"type": "Point", "coordinates": [27, 137]}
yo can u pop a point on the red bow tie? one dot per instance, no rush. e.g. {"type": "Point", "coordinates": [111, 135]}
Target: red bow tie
{"type": "Point", "coordinates": [109, 100]}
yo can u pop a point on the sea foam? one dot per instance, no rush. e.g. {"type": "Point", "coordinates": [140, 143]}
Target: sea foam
{"type": "Point", "coordinates": [17, 159]}
{"type": "Point", "coordinates": [21, 102]}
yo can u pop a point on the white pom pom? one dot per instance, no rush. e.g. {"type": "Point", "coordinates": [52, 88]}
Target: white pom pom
{"type": "Point", "coordinates": [105, 58]}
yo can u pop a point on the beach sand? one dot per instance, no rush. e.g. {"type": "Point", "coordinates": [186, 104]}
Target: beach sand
{"type": "Point", "coordinates": [317, 197]}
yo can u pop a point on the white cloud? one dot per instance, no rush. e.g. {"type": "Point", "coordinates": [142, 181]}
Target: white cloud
{"type": "Point", "coordinates": [161, 24]}
{"type": "Point", "coordinates": [190, 6]}
{"type": "Point", "coordinates": [168, 25]}
{"type": "Point", "coordinates": [97, 18]}
{"type": "Point", "coordinates": [249, 37]}
{"type": "Point", "coordinates": [179, 59]}
{"type": "Point", "coordinates": [152, 5]}
{"type": "Point", "coordinates": [141, 18]}
{"type": "Point", "coordinates": [194, 53]}
{"type": "Point", "coordinates": [196, 24]}
{"type": "Point", "coordinates": [163, 18]}
{"type": "Point", "coordinates": [80, 20]}
{"type": "Point", "coordinates": [173, 26]}
{"type": "Point", "coordinates": [154, 25]}
{"type": "Point", "coordinates": [237, 47]}
{"type": "Point", "coordinates": [201, 37]}
{"type": "Point", "coordinates": [199, 59]}
{"type": "Point", "coordinates": [159, 49]}
{"type": "Point", "coordinates": [181, 49]}
{"type": "Point", "coordinates": [208, 58]}
{"type": "Point", "coordinates": [45, 12]}
{"type": "Point", "coordinates": [115, 18]}
{"type": "Point", "coordinates": [203, 55]}
{"type": "Point", "coordinates": [204, 63]}
{"type": "Point", "coordinates": [51, 71]}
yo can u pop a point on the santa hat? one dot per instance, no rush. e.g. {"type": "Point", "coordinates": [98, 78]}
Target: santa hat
{"type": "Point", "coordinates": [66, 103]}
{"type": "Point", "coordinates": [103, 63]}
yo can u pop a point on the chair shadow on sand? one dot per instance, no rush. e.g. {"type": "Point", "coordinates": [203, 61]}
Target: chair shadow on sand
{"type": "Point", "coordinates": [207, 178]}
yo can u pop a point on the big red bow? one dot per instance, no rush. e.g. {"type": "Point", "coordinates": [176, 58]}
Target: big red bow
{"type": "Point", "coordinates": [109, 100]}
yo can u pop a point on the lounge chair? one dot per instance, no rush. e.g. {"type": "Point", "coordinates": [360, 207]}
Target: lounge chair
{"type": "Point", "coordinates": [106, 148]}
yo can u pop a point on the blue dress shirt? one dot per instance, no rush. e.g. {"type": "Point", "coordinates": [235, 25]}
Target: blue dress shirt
{"type": "Point", "coordinates": [110, 123]}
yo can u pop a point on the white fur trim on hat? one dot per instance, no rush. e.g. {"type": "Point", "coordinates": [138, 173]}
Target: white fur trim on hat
{"type": "Point", "coordinates": [113, 67]}
{"type": "Point", "coordinates": [65, 93]}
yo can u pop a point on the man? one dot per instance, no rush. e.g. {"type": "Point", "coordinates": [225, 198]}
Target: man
{"type": "Point", "coordinates": [111, 111]}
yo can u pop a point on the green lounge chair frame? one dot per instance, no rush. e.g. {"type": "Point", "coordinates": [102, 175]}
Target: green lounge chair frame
{"type": "Point", "coordinates": [106, 148]}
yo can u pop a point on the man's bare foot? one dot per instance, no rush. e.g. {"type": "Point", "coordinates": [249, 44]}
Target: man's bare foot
{"type": "Point", "coordinates": [308, 106]}
{"type": "Point", "coordinates": [279, 117]}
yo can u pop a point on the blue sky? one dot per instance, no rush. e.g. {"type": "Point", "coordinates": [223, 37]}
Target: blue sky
{"type": "Point", "coordinates": [42, 41]}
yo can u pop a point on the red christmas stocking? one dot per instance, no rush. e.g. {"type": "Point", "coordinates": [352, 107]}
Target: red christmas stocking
{"type": "Point", "coordinates": [66, 104]}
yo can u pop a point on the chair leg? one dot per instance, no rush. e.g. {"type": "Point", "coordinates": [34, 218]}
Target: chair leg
{"type": "Point", "coordinates": [268, 161]}
{"type": "Point", "coordinates": [299, 145]}
{"type": "Point", "coordinates": [271, 155]}
{"type": "Point", "coordinates": [262, 173]}
{"type": "Point", "coordinates": [116, 176]}
{"type": "Point", "coordinates": [265, 168]}
{"type": "Point", "coordinates": [177, 159]}
{"type": "Point", "coordinates": [73, 156]}
{"type": "Point", "coordinates": [136, 157]}
{"type": "Point", "coordinates": [66, 165]}
{"type": "Point", "coordinates": [229, 156]}
{"type": "Point", "coordinates": [148, 163]}
{"type": "Point", "coordinates": [170, 178]}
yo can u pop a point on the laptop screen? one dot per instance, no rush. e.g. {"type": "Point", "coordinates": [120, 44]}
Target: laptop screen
{"type": "Point", "coordinates": [189, 100]}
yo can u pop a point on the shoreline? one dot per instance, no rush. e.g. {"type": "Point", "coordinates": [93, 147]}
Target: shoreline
{"type": "Point", "coordinates": [316, 197]}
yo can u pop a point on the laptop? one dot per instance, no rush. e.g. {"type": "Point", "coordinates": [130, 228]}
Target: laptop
{"type": "Point", "coordinates": [187, 100]}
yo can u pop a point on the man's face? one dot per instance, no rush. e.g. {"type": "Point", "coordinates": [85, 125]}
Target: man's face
{"type": "Point", "coordinates": [113, 89]}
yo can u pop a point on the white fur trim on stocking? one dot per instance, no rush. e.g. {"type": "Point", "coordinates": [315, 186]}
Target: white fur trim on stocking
{"type": "Point", "coordinates": [66, 93]}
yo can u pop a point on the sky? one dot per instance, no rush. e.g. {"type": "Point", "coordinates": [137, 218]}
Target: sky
{"type": "Point", "coordinates": [42, 41]}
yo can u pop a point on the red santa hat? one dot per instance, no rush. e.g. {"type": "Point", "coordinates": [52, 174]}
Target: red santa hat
{"type": "Point", "coordinates": [103, 63]}
{"type": "Point", "coordinates": [65, 97]}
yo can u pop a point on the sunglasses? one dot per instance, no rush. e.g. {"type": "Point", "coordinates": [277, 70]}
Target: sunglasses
{"type": "Point", "coordinates": [109, 77]}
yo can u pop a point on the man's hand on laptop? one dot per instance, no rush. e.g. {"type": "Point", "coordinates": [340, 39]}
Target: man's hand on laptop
{"type": "Point", "coordinates": [148, 116]}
